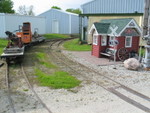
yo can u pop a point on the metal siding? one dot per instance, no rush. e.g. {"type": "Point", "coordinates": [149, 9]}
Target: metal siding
{"type": "Point", "coordinates": [2, 25]}
{"type": "Point", "coordinates": [48, 21]}
{"type": "Point", "coordinates": [113, 6]}
{"type": "Point", "coordinates": [13, 22]}
{"type": "Point", "coordinates": [62, 17]}
{"type": "Point", "coordinates": [74, 24]}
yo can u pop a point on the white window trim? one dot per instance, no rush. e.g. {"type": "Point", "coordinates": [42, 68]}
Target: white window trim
{"type": "Point", "coordinates": [95, 39]}
{"type": "Point", "coordinates": [130, 41]}
{"type": "Point", "coordinates": [110, 40]}
{"type": "Point", "coordinates": [104, 44]}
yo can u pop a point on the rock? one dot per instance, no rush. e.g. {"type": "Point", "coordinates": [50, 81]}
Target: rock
{"type": "Point", "coordinates": [132, 64]}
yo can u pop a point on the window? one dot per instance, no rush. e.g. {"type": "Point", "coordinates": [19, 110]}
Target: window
{"type": "Point", "coordinates": [95, 40]}
{"type": "Point", "coordinates": [104, 40]}
{"type": "Point", "coordinates": [111, 38]}
{"type": "Point", "coordinates": [128, 41]}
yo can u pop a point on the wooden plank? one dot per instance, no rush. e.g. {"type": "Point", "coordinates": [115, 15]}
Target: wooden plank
{"type": "Point", "coordinates": [105, 54]}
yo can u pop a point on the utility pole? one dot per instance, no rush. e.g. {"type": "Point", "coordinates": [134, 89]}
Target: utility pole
{"type": "Point", "coordinates": [146, 34]}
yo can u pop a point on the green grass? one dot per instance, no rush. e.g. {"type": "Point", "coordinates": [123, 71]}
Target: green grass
{"type": "Point", "coordinates": [53, 36]}
{"type": "Point", "coordinates": [73, 45]}
{"type": "Point", "coordinates": [57, 80]}
{"type": "Point", "coordinates": [3, 43]}
{"type": "Point", "coordinates": [142, 52]}
{"type": "Point", "coordinates": [25, 89]}
{"type": "Point", "coordinates": [42, 60]}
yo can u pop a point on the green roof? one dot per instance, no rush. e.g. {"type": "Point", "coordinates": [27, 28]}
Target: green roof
{"type": "Point", "coordinates": [102, 28]}
{"type": "Point", "coordinates": [120, 23]}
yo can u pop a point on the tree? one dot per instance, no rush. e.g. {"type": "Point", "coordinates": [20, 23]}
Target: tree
{"type": "Point", "coordinates": [6, 6]}
{"type": "Point", "coordinates": [23, 10]}
{"type": "Point", "coordinates": [77, 11]}
{"type": "Point", "coordinates": [55, 7]}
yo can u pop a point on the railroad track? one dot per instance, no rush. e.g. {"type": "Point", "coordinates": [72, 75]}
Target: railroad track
{"type": "Point", "coordinates": [32, 102]}
{"type": "Point", "coordinates": [109, 84]}
{"type": "Point", "coordinates": [12, 94]}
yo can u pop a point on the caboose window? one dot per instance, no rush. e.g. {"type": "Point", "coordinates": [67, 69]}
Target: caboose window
{"type": "Point", "coordinates": [128, 41]}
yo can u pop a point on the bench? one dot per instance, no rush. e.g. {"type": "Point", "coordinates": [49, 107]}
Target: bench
{"type": "Point", "coordinates": [108, 52]}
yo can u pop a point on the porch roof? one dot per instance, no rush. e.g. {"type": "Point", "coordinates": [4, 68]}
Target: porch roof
{"type": "Point", "coordinates": [102, 28]}
{"type": "Point", "coordinates": [117, 27]}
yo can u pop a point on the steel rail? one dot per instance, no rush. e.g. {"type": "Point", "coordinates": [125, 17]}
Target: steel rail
{"type": "Point", "coordinates": [9, 89]}
{"type": "Point", "coordinates": [110, 89]}
{"type": "Point", "coordinates": [31, 87]}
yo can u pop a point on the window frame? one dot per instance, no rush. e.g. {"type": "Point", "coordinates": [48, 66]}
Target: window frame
{"type": "Point", "coordinates": [104, 37]}
{"type": "Point", "coordinates": [130, 43]}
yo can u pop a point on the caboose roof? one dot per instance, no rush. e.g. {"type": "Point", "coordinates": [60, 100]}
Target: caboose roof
{"type": "Point", "coordinates": [115, 26]}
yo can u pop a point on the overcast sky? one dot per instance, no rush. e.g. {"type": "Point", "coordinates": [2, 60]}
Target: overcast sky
{"type": "Point", "coordinates": [41, 6]}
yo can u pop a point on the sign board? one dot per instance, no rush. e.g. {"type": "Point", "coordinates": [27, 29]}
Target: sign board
{"type": "Point", "coordinates": [113, 42]}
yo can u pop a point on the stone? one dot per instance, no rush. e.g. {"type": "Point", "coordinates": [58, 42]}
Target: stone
{"type": "Point", "coordinates": [132, 64]}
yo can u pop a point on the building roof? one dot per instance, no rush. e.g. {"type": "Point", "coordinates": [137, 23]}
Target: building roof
{"type": "Point", "coordinates": [114, 26]}
{"type": "Point", "coordinates": [57, 10]}
{"type": "Point", "coordinates": [113, 6]}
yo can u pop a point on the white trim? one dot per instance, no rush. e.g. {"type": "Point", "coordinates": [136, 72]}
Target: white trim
{"type": "Point", "coordinates": [91, 29]}
{"type": "Point", "coordinates": [130, 41]}
{"type": "Point", "coordinates": [127, 26]}
{"type": "Point", "coordinates": [70, 24]}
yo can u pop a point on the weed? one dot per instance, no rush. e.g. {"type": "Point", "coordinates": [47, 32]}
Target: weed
{"type": "Point", "coordinates": [25, 89]}
{"type": "Point", "coordinates": [3, 43]}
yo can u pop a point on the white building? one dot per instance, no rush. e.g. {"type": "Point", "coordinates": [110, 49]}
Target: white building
{"type": "Point", "coordinates": [61, 22]}
{"type": "Point", "coordinates": [11, 22]}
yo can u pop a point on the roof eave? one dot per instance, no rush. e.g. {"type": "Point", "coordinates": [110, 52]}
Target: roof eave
{"type": "Point", "coordinates": [112, 14]}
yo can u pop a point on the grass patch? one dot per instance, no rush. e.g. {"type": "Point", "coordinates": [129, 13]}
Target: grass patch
{"type": "Point", "coordinates": [57, 80]}
{"type": "Point", "coordinates": [40, 55]}
{"type": "Point", "coordinates": [54, 36]}
{"type": "Point", "coordinates": [73, 45]}
{"type": "Point", "coordinates": [3, 43]}
{"type": "Point", "coordinates": [42, 60]}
